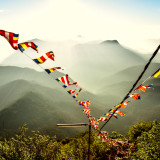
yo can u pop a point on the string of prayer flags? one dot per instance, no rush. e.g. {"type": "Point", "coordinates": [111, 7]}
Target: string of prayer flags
{"type": "Point", "coordinates": [23, 46]}
{"type": "Point", "coordinates": [108, 114]}
{"type": "Point", "coordinates": [102, 119]}
{"type": "Point", "coordinates": [92, 120]}
{"type": "Point", "coordinates": [119, 105]}
{"type": "Point", "coordinates": [111, 110]}
{"type": "Point", "coordinates": [84, 104]}
{"type": "Point", "coordinates": [66, 85]}
{"type": "Point", "coordinates": [114, 115]}
{"type": "Point", "coordinates": [50, 55]}
{"type": "Point", "coordinates": [80, 102]}
{"type": "Point", "coordinates": [95, 127]}
{"type": "Point", "coordinates": [104, 132]}
{"type": "Point", "coordinates": [75, 96]}
{"type": "Point", "coordinates": [87, 111]}
{"type": "Point", "coordinates": [43, 58]}
{"type": "Point", "coordinates": [50, 70]}
{"type": "Point", "coordinates": [75, 83]}
{"type": "Point", "coordinates": [125, 104]}
{"type": "Point", "coordinates": [12, 38]}
{"type": "Point", "coordinates": [143, 87]}
{"type": "Point", "coordinates": [71, 91]}
{"type": "Point", "coordinates": [135, 96]}
{"type": "Point", "coordinates": [156, 74]}
{"type": "Point", "coordinates": [120, 113]}
{"type": "Point", "coordinates": [64, 80]}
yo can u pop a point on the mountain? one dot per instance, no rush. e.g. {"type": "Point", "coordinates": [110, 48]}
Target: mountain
{"type": "Point", "coordinates": [61, 49]}
{"type": "Point", "coordinates": [87, 63]}
{"type": "Point", "coordinates": [146, 109]}
{"type": "Point", "coordinates": [105, 72]}
{"type": "Point", "coordinates": [125, 79]}
{"type": "Point", "coordinates": [38, 106]}
{"type": "Point", "coordinates": [38, 100]}
{"type": "Point", "coordinates": [94, 62]}
{"type": "Point", "coordinates": [11, 73]}
{"type": "Point", "coordinates": [118, 85]}
{"type": "Point", "coordinates": [115, 87]}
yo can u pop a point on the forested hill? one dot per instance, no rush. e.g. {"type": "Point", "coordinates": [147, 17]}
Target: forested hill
{"type": "Point", "coordinates": [35, 98]}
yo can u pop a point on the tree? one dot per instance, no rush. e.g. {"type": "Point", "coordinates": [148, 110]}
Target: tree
{"type": "Point", "coordinates": [147, 145]}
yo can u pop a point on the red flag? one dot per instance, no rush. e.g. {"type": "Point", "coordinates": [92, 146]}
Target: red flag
{"type": "Point", "coordinates": [64, 80]}
{"type": "Point", "coordinates": [75, 83]}
{"type": "Point", "coordinates": [121, 113]}
{"type": "Point", "coordinates": [142, 87]}
{"type": "Point", "coordinates": [86, 111]}
{"type": "Point", "coordinates": [12, 38]}
{"type": "Point", "coordinates": [71, 91]}
{"type": "Point", "coordinates": [23, 46]}
{"type": "Point", "coordinates": [135, 96]}
{"type": "Point", "coordinates": [125, 104]}
{"type": "Point", "coordinates": [102, 119]}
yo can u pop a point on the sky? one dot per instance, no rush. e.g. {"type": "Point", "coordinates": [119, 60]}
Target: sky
{"type": "Point", "coordinates": [134, 23]}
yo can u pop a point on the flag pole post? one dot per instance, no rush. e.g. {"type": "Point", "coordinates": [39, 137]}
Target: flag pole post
{"type": "Point", "coordinates": [80, 125]}
{"type": "Point", "coordinates": [89, 141]}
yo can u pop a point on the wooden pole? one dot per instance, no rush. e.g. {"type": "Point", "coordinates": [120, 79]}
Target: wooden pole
{"type": "Point", "coordinates": [89, 141]}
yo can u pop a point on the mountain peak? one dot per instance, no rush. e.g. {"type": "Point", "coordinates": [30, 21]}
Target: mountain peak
{"type": "Point", "coordinates": [110, 42]}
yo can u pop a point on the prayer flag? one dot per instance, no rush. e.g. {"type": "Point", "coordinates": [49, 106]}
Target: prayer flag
{"type": "Point", "coordinates": [125, 104]}
{"type": "Point", "coordinates": [71, 91]}
{"type": "Point", "coordinates": [50, 70]}
{"type": "Point", "coordinates": [87, 111]}
{"type": "Point", "coordinates": [135, 96]}
{"type": "Point", "coordinates": [142, 87]}
{"type": "Point", "coordinates": [102, 119]}
{"type": "Point", "coordinates": [43, 58]}
{"type": "Point", "coordinates": [156, 74]}
{"type": "Point", "coordinates": [121, 113]}
{"type": "Point", "coordinates": [23, 46]}
{"type": "Point", "coordinates": [64, 80]}
{"type": "Point", "coordinates": [12, 38]}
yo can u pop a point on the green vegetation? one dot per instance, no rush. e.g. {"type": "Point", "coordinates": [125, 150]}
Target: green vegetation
{"type": "Point", "coordinates": [28, 96]}
{"type": "Point", "coordinates": [142, 142]}
{"type": "Point", "coordinates": [146, 139]}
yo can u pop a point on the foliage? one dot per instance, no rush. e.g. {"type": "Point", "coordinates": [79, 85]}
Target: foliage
{"type": "Point", "coordinates": [32, 147]}
{"type": "Point", "coordinates": [144, 143]}
{"type": "Point", "coordinates": [147, 144]}
{"type": "Point", "coordinates": [137, 129]}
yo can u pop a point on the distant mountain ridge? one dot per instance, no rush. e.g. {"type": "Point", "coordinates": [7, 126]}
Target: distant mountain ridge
{"type": "Point", "coordinates": [103, 58]}
{"type": "Point", "coordinates": [128, 75]}
{"type": "Point", "coordinates": [105, 71]}
{"type": "Point", "coordinates": [109, 42]}
{"type": "Point", "coordinates": [97, 61]}
{"type": "Point", "coordinates": [28, 99]}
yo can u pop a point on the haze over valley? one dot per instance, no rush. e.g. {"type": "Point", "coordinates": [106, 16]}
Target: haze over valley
{"type": "Point", "coordinates": [105, 71]}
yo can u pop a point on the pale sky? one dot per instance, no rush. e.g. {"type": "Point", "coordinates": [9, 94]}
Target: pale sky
{"type": "Point", "coordinates": [134, 23]}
